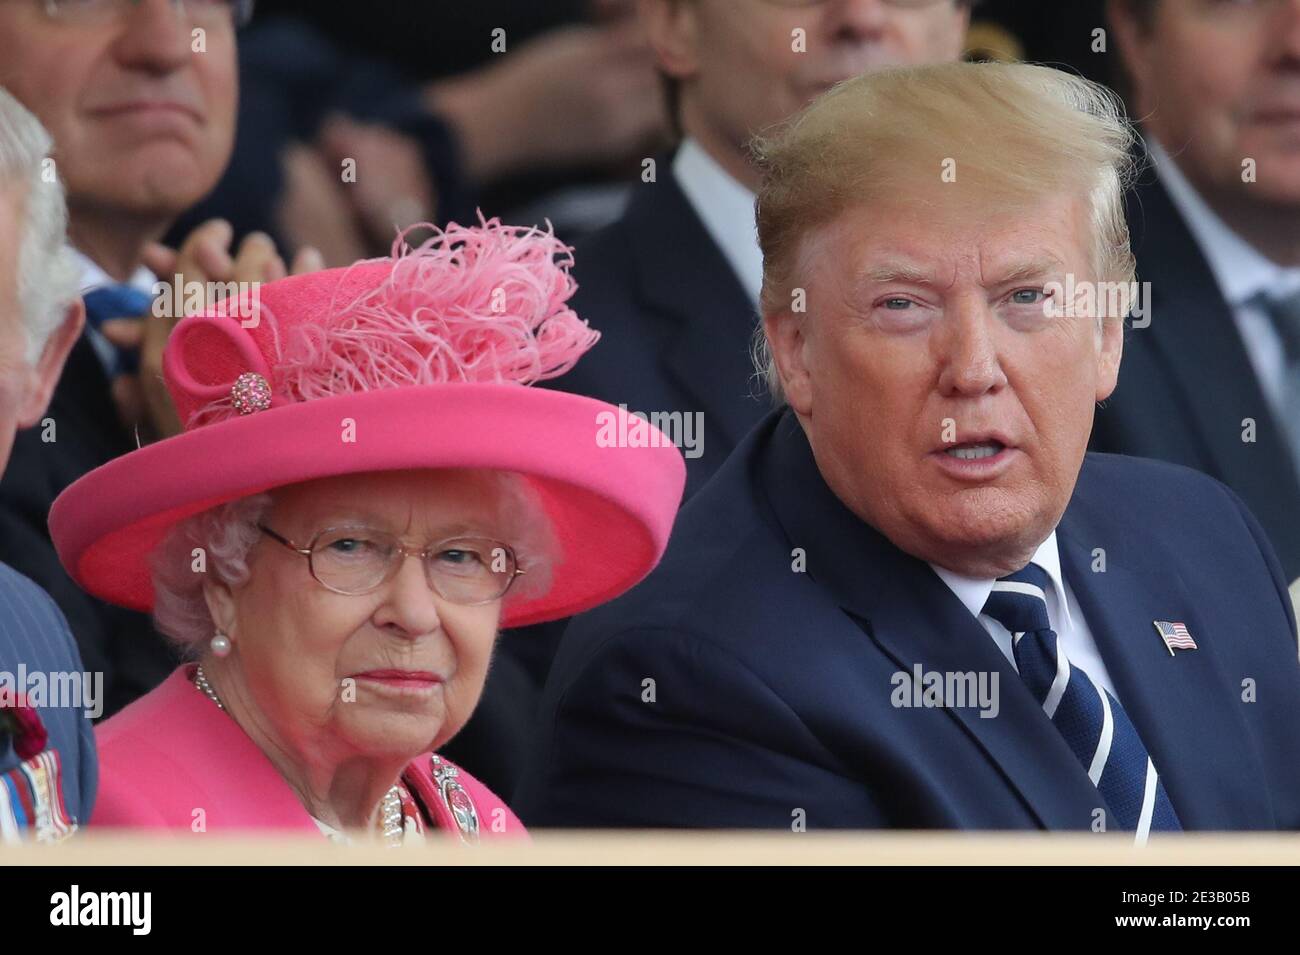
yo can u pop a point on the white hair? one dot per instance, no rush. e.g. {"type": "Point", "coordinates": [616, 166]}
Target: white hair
{"type": "Point", "coordinates": [226, 534]}
{"type": "Point", "coordinates": [47, 270]}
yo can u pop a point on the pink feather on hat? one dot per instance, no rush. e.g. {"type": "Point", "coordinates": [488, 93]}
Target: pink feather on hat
{"type": "Point", "coordinates": [482, 305]}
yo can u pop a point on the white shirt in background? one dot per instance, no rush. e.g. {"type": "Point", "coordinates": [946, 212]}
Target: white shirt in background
{"type": "Point", "coordinates": [1240, 270]}
{"type": "Point", "coordinates": [727, 210]}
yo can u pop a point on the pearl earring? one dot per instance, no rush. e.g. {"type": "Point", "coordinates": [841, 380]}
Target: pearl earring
{"type": "Point", "coordinates": [219, 645]}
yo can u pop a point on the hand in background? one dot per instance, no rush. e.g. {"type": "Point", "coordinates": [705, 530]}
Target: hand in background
{"type": "Point", "coordinates": [204, 264]}
{"type": "Point", "coordinates": [575, 95]}
{"type": "Point", "coordinates": [392, 188]}
{"type": "Point", "coordinates": [313, 209]}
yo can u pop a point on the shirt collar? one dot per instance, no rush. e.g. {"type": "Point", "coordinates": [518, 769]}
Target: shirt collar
{"type": "Point", "coordinates": [974, 592]}
{"type": "Point", "coordinates": [726, 208]}
{"type": "Point", "coordinates": [1241, 271]}
{"type": "Point", "coordinates": [92, 276]}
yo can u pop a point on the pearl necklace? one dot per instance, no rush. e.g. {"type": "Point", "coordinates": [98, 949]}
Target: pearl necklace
{"type": "Point", "coordinates": [390, 807]}
{"type": "Point", "coordinates": [201, 681]}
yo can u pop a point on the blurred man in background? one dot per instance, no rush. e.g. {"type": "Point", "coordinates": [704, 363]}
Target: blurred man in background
{"type": "Point", "coordinates": [673, 285]}
{"type": "Point", "coordinates": [1213, 381]}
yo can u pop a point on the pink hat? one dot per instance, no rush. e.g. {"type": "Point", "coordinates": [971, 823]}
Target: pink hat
{"type": "Point", "coordinates": [421, 360]}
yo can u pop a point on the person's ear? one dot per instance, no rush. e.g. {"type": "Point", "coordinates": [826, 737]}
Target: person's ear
{"type": "Point", "coordinates": [673, 29]}
{"type": "Point", "coordinates": [221, 605]}
{"type": "Point", "coordinates": [49, 365]}
{"type": "Point", "coordinates": [1108, 358]}
{"type": "Point", "coordinates": [786, 341]}
{"type": "Point", "coordinates": [1132, 39]}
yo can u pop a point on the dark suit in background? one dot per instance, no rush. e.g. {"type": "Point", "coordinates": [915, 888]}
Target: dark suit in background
{"type": "Point", "coordinates": [773, 687]}
{"type": "Point", "coordinates": [675, 329]}
{"type": "Point", "coordinates": [1186, 381]}
{"type": "Point", "coordinates": [122, 644]}
{"type": "Point", "coordinates": [675, 322]}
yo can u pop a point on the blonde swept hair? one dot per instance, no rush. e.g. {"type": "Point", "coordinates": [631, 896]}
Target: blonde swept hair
{"type": "Point", "coordinates": [1012, 133]}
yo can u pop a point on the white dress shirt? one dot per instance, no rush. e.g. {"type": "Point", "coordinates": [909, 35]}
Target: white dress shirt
{"type": "Point", "coordinates": [726, 208]}
{"type": "Point", "coordinates": [93, 277]}
{"type": "Point", "coordinates": [1241, 272]}
{"type": "Point", "coordinates": [1063, 611]}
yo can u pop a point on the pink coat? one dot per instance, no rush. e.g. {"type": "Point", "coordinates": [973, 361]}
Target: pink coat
{"type": "Point", "coordinates": [172, 753]}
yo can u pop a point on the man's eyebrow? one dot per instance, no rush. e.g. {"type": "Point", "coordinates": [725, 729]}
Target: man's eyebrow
{"type": "Point", "coordinates": [897, 272]}
{"type": "Point", "coordinates": [1028, 271]}
{"type": "Point", "coordinates": [887, 272]}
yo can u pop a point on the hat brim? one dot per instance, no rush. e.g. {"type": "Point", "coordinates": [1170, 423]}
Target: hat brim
{"type": "Point", "coordinates": [610, 508]}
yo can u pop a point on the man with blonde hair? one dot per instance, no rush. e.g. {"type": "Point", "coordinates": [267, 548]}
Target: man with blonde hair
{"type": "Point", "coordinates": [911, 599]}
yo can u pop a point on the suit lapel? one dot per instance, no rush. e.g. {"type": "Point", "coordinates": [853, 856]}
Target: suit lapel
{"type": "Point", "coordinates": [924, 623]}
{"type": "Point", "coordinates": [1194, 336]}
{"type": "Point", "coordinates": [914, 618]}
{"type": "Point", "coordinates": [1175, 702]}
{"type": "Point", "coordinates": [682, 274]}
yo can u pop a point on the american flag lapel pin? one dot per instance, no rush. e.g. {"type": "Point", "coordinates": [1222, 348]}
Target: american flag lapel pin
{"type": "Point", "coordinates": [1175, 635]}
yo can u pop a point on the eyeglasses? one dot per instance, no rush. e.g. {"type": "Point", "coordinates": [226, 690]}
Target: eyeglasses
{"type": "Point", "coordinates": [237, 12]}
{"type": "Point", "coordinates": [357, 560]}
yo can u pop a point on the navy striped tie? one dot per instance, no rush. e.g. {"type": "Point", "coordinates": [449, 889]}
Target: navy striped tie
{"type": "Point", "coordinates": [1093, 723]}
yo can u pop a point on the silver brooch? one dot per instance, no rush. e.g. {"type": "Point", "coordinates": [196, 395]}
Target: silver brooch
{"type": "Point", "coordinates": [455, 798]}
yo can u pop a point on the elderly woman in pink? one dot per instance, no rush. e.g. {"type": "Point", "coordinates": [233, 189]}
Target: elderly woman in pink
{"type": "Point", "coordinates": [366, 490]}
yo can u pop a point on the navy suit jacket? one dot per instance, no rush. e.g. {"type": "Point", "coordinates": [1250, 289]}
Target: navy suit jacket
{"type": "Point", "coordinates": [33, 632]}
{"type": "Point", "coordinates": [675, 322]}
{"type": "Point", "coordinates": [1186, 381]}
{"type": "Point", "coordinates": [772, 687]}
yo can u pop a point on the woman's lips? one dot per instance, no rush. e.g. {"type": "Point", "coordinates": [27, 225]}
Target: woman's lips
{"type": "Point", "coordinates": [402, 679]}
